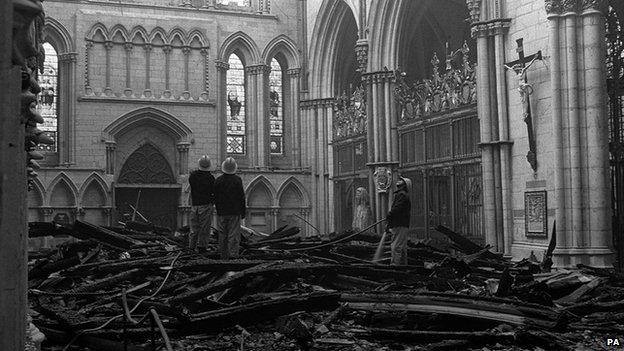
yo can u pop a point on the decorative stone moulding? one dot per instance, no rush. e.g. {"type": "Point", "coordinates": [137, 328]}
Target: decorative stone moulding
{"type": "Point", "coordinates": [350, 115]}
{"type": "Point", "coordinates": [451, 89]}
{"type": "Point", "coordinates": [560, 7]}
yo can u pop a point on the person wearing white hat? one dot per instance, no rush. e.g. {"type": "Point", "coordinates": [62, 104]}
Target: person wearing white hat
{"type": "Point", "coordinates": [398, 221]}
{"type": "Point", "coordinates": [231, 208]}
{"type": "Point", "coordinates": [202, 204]}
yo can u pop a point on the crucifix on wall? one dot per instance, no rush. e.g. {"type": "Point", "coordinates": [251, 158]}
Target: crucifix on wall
{"type": "Point", "coordinates": [525, 89]}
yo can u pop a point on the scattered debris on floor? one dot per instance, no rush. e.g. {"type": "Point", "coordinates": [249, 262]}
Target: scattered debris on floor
{"type": "Point", "coordinates": [138, 288]}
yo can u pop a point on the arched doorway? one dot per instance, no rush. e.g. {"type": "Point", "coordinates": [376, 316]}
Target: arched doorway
{"type": "Point", "coordinates": [146, 189]}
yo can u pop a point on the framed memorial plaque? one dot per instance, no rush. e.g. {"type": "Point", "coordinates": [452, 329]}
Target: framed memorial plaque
{"type": "Point", "coordinates": [535, 213]}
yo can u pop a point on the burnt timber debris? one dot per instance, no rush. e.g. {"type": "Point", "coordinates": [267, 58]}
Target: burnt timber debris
{"type": "Point", "coordinates": [138, 288]}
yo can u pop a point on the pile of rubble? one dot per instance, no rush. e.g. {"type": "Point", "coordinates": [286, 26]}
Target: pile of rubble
{"type": "Point", "coordinates": [137, 288]}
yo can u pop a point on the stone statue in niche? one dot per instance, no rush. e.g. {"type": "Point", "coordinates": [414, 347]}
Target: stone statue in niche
{"type": "Point", "coordinates": [362, 214]}
{"type": "Point", "coordinates": [235, 105]}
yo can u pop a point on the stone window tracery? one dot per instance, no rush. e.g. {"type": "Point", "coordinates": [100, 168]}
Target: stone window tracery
{"type": "Point", "coordinates": [235, 83]}
{"type": "Point", "coordinates": [246, 3]}
{"type": "Point", "coordinates": [276, 108]}
{"type": "Point", "coordinates": [47, 104]}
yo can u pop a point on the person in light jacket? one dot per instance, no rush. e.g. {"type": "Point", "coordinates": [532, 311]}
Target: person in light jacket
{"type": "Point", "coordinates": [231, 208]}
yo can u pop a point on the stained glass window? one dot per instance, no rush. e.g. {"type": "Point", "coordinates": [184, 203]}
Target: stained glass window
{"type": "Point", "coordinates": [48, 98]}
{"type": "Point", "coordinates": [276, 108]}
{"type": "Point", "coordinates": [236, 106]}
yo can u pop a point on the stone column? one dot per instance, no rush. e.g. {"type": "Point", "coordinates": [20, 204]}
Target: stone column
{"type": "Point", "coordinates": [110, 156]}
{"type": "Point", "coordinates": [221, 97]}
{"type": "Point", "coordinates": [128, 47]}
{"type": "Point", "coordinates": [187, 53]}
{"type": "Point", "coordinates": [67, 102]}
{"type": "Point", "coordinates": [87, 83]}
{"type": "Point", "coordinates": [257, 115]}
{"type": "Point", "coordinates": [148, 67]}
{"type": "Point", "coordinates": [204, 94]}
{"type": "Point", "coordinates": [183, 149]}
{"type": "Point", "coordinates": [294, 115]}
{"type": "Point", "coordinates": [275, 210]}
{"type": "Point", "coordinates": [599, 235]}
{"type": "Point", "coordinates": [107, 90]}
{"type": "Point", "coordinates": [487, 155]}
{"type": "Point", "coordinates": [167, 93]}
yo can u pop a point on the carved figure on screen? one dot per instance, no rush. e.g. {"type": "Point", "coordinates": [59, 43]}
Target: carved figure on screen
{"type": "Point", "coordinates": [362, 214]}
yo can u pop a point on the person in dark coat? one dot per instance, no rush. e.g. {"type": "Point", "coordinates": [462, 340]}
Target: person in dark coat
{"type": "Point", "coordinates": [231, 208]}
{"type": "Point", "coordinates": [398, 221]}
{"type": "Point", "coordinates": [202, 204]}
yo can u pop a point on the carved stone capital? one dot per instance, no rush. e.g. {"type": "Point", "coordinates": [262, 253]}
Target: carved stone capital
{"type": "Point", "coordinates": [167, 49]}
{"type": "Point", "coordinates": [47, 211]}
{"type": "Point", "coordinates": [595, 5]}
{"type": "Point", "coordinates": [148, 47]}
{"type": "Point", "coordinates": [204, 52]}
{"type": "Point", "coordinates": [257, 69]}
{"type": "Point", "coordinates": [559, 7]}
{"type": "Point", "coordinates": [89, 44]}
{"type": "Point", "coordinates": [293, 72]}
{"type": "Point", "coordinates": [186, 50]}
{"type": "Point", "coordinates": [183, 146]}
{"type": "Point", "coordinates": [222, 65]}
{"type": "Point", "coordinates": [67, 57]}
{"type": "Point", "coordinates": [110, 145]}
{"type": "Point", "coordinates": [500, 26]}
{"type": "Point", "coordinates": [128, 46]}
{"type": "Point", "coordinates": [108, 45]}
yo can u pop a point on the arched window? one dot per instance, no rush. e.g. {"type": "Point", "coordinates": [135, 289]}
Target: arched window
{"type": "Point", "coordinates": [236, 102]}
{"type": "Point", "coordinates": [48, 98]}
{"type": "Point", "coordinates": [276, 108]}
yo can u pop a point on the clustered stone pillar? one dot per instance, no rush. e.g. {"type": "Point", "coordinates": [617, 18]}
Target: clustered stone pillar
{"type": "Point", "coordinates": [222, 68]}
{"type": "Point", "coordinates": [256, 99]}
{"type": "Point", "coordinates": [147, 92]}
{"type": "Point", "coordinates": [494, 125]}
{"type": "Point", "coordinates": [578, 83]}
{"type": "Point", "coordinates": [383, 137]}
{"type": "Point", "coordinates": [107, 90]}
{"type": "Point", "coordinates": [67, 104]}
{"type": "Point", "coordinates": [128, 48]}
{"type": "Point", "coordinates": [294, 115]}
{"type": "Point", "coordinates": [317, 115]}
{"type": "Point", "coordinates": [183, 149]}
{"type": "Point", "coordinates": [110, 156]}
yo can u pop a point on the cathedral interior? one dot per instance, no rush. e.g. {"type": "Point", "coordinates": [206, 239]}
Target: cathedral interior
{"type": "Point", "coordinates": [506, 119]}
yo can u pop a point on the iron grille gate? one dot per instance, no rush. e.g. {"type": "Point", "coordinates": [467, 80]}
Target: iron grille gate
{"type": "Point", "coordinates": [615, 84]}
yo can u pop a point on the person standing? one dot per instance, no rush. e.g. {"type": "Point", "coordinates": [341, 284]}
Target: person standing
{"type": "Point", "coordinates": [398, 221]}
{"type": "Point", "coordinates": [230, 204]}
{"type": "Point", "coordinates": [202, 204]}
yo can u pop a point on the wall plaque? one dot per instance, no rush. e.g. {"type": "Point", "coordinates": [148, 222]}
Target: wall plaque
{"type": "Point", "coordinates": [535, 213]}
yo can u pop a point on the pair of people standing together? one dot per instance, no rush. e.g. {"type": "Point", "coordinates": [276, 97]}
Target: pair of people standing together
{"type": "Point", "coordinates": [227, 196]}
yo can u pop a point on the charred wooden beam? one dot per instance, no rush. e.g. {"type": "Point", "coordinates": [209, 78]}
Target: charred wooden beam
{"type": "Point", "coordinates": [430, 336]}
{"type": "Point", "coordinates": [92, 342]}
{"type": "Point", "coordinates": [84, 230]}
{"type": "Point", "coordinates": [52, 267]}
{"type": "Point", "coordinates": [219, 265]}
{"type": "Point", "coordinates": [257, 312]}
{"type": "Point", "coordinates": [466, 245]}
{"type": "Point", "coordinates": [503, 310]}
{"type": "Point", "coordinates": [39, 229]}
{"type": "Point", "coordinates": [106, 282]}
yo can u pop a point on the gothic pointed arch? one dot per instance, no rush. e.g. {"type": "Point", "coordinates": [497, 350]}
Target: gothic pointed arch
{"type": "Point", "coordinates": [146, 165]}
{"type": "Point", "coordinates": [62, 192]}
{"type": "Point", "coordinates": [180, 34]}
{"type": "Point", "coordinates": [292, 186]}
{"type": "Point", "coordinates": [36, 195]}
{"type": "Point", "coordinates": [55, 32]}
{"type": "Point", "coordinates": [197, 34]}
{"type": "Point", "coordinates": [100, 29]}
{"type": "Point", "coordinates": [94, 182]}
{"type": "Point", "coordinates": [162, 119]}
{"type": "Point", "coordinates": [260, 193]}
{"type": "Point", "coordinates": [119, 30]}
{"type": "Point", "coordinates": [243, 45]}
{"type": "Point", "coordinates": [284, 49]}
{"type": "Point", "coordinates": [333, 49]}
{"type": "Point", "coordinates": [141, 32]}
{"type": "Point", "coordinates": [158, 32]}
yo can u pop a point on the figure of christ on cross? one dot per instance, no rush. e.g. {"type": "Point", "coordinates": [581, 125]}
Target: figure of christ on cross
{"type": "Point", "coordinates": [525, 89]}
